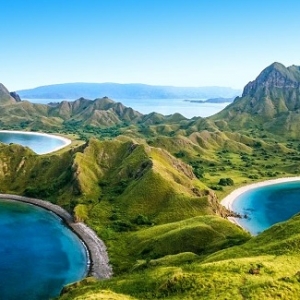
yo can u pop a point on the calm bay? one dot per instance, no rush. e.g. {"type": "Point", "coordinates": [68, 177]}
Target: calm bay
{"type": "Point", "coordinates": [39, 254]}
{"type": "Point", "coordinates": [39, 143]}
{"type": "Point", "coordinates": [267, 205]}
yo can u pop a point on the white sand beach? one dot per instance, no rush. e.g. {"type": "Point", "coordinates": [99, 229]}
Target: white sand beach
{"type": "Point", "coordinates": [65, 140]}
{"type": "Point", "coordinates": [229, 200]}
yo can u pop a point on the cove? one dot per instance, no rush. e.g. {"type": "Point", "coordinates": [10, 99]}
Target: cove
{"type": "Point", "coordinates": [266, 205]}
{"type": "Point", "coordinates": [38, 253]}
{"type": "Point", "coordinates": [40, 143]}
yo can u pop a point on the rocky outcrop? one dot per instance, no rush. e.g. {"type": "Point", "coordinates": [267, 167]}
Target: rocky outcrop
{"type": "Point", "coordinates": [15, 96]}
{"type": "Point", "coordinates": [274, 76]}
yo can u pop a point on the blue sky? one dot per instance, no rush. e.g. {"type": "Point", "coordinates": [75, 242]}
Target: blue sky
{"type": "Point", "coordinates": [160, 42]}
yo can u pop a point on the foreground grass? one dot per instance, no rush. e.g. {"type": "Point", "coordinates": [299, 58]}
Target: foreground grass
{"type": "Point", "coordinates": [265, 267]}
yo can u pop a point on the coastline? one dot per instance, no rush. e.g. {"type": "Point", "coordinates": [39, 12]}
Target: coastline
{"type": "Point", "coordinates": [65, 140]}
{"type": "Point", "coordinates": [229, 199]}
{"type": "Point", "coordinates": [99, 262]}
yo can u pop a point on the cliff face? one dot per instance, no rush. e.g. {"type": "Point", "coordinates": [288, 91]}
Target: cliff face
{"type": "Point", "coordinates": [271, 102]}
{"type": "Point", "coordinates": [274, 76]}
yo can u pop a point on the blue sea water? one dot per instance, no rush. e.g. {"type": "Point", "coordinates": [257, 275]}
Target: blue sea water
{"type": "Point", "coordinates": [265, 206]}
{"type": "Point", "coordinates": [39, 143]}
{"type": "Point", "coordinates": [38, 253]}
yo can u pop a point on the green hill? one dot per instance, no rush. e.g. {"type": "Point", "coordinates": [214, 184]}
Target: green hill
{"type": "Point", "coordinates": [150, 185]}
{"type": "Point", "coordinates": [265, 267]}
{"type": "Point", "coordinates": [270, 103]}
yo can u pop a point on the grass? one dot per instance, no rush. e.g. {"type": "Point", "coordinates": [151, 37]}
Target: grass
{"type": "Point", "coordinates": [147, 195]}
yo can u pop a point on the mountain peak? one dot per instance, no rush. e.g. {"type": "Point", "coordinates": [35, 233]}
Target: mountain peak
{"type": "Point", "coordinates": [5, 96]}
{"type": "Point", "coordinates": [274, 76]}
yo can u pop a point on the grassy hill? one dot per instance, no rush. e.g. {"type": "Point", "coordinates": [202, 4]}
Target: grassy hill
{"type": "Point", "coordinates": [265, 267]}
{"type": "Point", "coordinates": [150, 185]}
{"type": "Point", "coordinates": [269, 104]}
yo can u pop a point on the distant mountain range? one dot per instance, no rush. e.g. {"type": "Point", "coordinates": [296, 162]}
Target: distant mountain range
{"type": "Point", "coordinates": [125, 91]}
{"type": "Point", "coordinates": [213, 100]}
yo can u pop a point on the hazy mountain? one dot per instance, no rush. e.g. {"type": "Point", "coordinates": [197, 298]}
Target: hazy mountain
{"type": "Point", "coordinates": [123, 91]}
{"type": "Point", "coordinates": [213, 100]}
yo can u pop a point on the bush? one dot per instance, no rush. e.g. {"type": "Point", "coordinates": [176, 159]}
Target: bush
{"type": "Point", "coordinates": [216, 187]}
{"type": "Point", "coordinates": [80, 213]}
{"type": "Point", "coordinates": [226, 181]}
{"type": "Point", "coordinates": [142, 220]}
{"type": "Point", "coordinates": [121, 226]}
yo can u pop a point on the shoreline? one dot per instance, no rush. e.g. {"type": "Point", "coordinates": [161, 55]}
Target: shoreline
{"type": "Point", "coordinates": [64, 139]}
{"type": "Point", "coordinates": [98, 264]}
{"type": "Point", "coordinates": [228, 201]}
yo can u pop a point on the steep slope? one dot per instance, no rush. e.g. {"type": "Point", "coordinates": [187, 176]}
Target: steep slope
{"type": "Point", "coordinates": [124, 190]}
{"type": "Point", "coordinates": [265, 267]}
{"type": "Point", "coordinates": [270, 103]}
{"type": "Point", "coordinates": [128, 187]}
{"type": "Point", "coordinates": [5, 96]}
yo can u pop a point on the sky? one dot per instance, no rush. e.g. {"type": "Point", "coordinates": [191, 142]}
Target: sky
{"type": "Point", "coordinates": [157, 42]}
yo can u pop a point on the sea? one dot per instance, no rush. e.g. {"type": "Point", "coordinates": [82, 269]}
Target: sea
{"type": "Point", "coordinates": [38, 253]}
{"type": "Point", "coordinates": [164, 106]}
{"type": "Point", "coordinates": [39, 143]}
{"type": "Point", "coordinates": [267, 205]}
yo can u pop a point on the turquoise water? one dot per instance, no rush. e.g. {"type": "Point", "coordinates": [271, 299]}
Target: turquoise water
{"type": "Point", "coordinates": [38, 253]}
{"type": "Point", "coordinates": [265, 206]}
{"type": "Point", "coordinates": [40, 144]}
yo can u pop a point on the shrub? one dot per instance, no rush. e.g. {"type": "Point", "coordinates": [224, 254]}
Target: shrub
{"type": "Point", "coordinates": [142, 220]}
{"type": "Point", "coordinates": [226, 181]}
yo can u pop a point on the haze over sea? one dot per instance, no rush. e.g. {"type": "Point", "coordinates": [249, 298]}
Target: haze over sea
{"type": "Point", "coordinates": [163, 106]}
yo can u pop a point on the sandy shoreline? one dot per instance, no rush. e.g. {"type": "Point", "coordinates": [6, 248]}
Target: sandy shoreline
{"type": "Point", "coordinates": [229, 199]}
{"type": "Point", "coordinates": [99, 263]}
{"type": "Point", "coordinates": [65, 140]}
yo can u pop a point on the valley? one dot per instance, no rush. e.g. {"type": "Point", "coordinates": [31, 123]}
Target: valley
{"type": "Point", "coordinates": [150, 187]}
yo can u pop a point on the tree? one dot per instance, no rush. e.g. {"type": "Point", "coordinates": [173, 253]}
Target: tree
{"type": "Point", "coordinates": [226, 181]}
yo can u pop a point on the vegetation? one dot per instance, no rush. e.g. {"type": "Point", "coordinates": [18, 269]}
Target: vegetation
{"type": "Point", "coordinates": [149, 186]}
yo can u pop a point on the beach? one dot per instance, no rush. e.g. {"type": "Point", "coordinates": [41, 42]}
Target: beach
{"type": "Point", "coordinates": [63, 139]}
{"type": "Point", "coordinates": [99, 263]}
{"type": "Point", "coordinates": [229, 199]}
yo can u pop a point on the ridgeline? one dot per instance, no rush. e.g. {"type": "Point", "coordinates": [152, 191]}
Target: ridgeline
{"type": "Point", "coordinates": [149, 185]}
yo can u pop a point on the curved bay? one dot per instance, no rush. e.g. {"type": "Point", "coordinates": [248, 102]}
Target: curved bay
{"type": "Point", "coordinates": [38, 253]}
{"type": "Point", "coordinates": [264, 206]}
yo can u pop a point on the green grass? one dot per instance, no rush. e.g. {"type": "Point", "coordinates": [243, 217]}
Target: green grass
{"type": "Point", "coordinates": [147, 194]}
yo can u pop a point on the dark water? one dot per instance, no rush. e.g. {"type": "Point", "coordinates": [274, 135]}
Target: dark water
{"type": "Point", "coordinates": [268, 205]}
{"type": "Point", "coordinates": [40, 144]}
{"type": "Point", "coordinates": [38, 253]}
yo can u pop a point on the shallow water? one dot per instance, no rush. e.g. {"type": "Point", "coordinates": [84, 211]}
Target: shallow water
{"type": "Point", "coordinates": [38, 253]}
{"type": "Point", "coordinates": [265, 206]}
{"type": "Point", "coordinates": [39, 143]}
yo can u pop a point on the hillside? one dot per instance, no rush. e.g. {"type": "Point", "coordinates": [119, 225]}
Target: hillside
{"type": "Point", "coordinates": [269, 104]}
{"type": "Point", "coordinates": [265, 267]}
{"type": "Point", "coordinates": [124, 91]}
{"type": "Point", "coordinates": [5, 96]}
{"type": "Point", "coordinates": [150, 185]}
{"type": "Point", "coordinates": [99, 112]}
